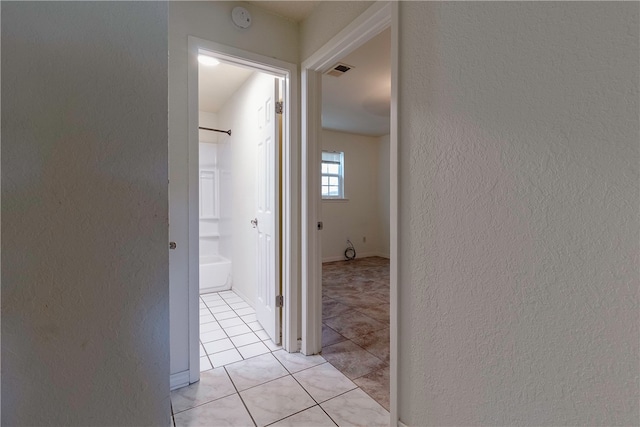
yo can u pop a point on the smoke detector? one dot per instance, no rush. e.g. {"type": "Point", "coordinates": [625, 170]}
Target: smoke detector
{"type": "Point", "coordinates": [338, 69]}
{"type": "Point", "coordinates": [241, 17]}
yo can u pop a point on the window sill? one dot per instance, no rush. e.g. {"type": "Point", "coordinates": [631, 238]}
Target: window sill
{"type": "Point", "coordinates": [334, 200]}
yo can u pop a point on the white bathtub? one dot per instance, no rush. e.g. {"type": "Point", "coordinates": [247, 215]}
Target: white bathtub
{"type": "Point", "coordinates": [215, 274]}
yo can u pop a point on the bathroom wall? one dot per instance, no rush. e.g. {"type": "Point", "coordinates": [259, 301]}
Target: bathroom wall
{"type": "Point", "coordinates": [225, 174]}
{"type": "Point", "coordinates": [208, 160]}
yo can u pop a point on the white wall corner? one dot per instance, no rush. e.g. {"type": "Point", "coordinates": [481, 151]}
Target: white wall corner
{"type": "Point", "coordinates": [244, 296]}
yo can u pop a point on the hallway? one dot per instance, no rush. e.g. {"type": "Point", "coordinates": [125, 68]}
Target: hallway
{"type": "Point", "coordinates": [246, 380]}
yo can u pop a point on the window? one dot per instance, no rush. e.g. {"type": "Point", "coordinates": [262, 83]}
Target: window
{"type": "Point", "coordinates": [332, 175]}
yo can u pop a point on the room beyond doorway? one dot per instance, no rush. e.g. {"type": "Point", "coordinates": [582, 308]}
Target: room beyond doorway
{"type": "Point", "coordinates": [376, 19]}
{"type": "Point", "coordinates": [185, 315]}
{"type": "Point", "coordinates": [239, 157]}
{"type": "Point", "coordinates": [355, 211]}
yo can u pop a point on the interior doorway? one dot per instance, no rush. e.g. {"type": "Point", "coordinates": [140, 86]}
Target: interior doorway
{"type": "Point", "coordinates": [356, 104]}
{"type": "Point", "coordinates": [239, 270]}
{"type": "Point", "coordinates": [240, 197]}
{"type": "Point", "coordinates": [374, 21]}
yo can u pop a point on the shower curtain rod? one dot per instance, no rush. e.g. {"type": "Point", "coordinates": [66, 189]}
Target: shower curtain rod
{"type": "Point", "coordinates": [228, 132]}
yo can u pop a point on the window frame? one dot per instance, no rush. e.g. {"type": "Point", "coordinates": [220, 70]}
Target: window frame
{"type": "Point", "coordinates": [339, 175]}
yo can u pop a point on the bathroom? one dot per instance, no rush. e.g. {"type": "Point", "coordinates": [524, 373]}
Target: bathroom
{"type": "Point", "coordinates": [215, 208]}
{"type": "Point", "coordinates": [229, 174]}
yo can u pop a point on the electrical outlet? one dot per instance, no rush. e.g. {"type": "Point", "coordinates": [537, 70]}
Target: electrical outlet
{"type": "Point", "coordinates": [364, 239]}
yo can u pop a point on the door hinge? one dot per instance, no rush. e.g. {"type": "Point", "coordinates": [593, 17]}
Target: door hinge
{"type": "Point", "coordinates": [279, 107]}
{"type": "Point", "coordinates": [279, 301]}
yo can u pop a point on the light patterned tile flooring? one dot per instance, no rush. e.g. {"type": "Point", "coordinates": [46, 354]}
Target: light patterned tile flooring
{"type": "Point", "coordinates": [246, 380]}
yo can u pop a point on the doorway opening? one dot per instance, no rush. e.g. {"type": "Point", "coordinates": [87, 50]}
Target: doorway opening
{"type": "Point", "coordinates": [355, 131]}
{"type": "Point", "coordinates": [239, 270]}
{"type": "Point", "coordinates": [374, 21]}
{"type": "Point", "coordinates": [240, 222]}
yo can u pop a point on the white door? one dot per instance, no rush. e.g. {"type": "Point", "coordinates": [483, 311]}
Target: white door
{"type": "Point", "coordinates": [268, 259]}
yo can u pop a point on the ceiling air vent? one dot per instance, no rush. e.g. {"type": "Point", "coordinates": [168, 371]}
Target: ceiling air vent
{"type": "Point", "coordinates": [338, 69]}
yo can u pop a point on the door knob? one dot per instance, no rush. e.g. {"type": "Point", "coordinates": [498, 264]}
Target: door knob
{"type": "Point", "coordinates": [254, 222]}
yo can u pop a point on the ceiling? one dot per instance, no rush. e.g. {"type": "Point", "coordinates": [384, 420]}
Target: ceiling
{"type": "Point", "coordinates": [295, 11]}
{"type": "Point", "coordinates": [216, 84]}
{"type": "Point", "coordinates": [359, 101]}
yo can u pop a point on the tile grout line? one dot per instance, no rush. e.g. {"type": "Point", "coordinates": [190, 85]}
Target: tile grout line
{"type": "Point", "coordinates": [373, 398]}
{"type": "Point", "coordinates": [240, 396]}
{"type": "Point", "coordinates": [227, 304]}
{"type": "Point", "coordinates": [266, 382]}
{"type": "Point", "coordinates": [374, 355]}
{"type": "Point", "coordinates": [289, 416]}
{"type": "Point", "coordinates": [237, 348]}
{"type": "Point", "coordinates": [314, 399]}
{"type": "Point", "coordinates": [298, 382]}
{"type": "Point", "coordinates": [206, 353]}
{"type": "Point", "coordinates": [289, 373]}
{"type": "Point", "coordinates": [334, 397]}
{"type": "Point", "coordinates": [354, 379]}
{"type": "Point", "coordinates": [363, 349]}
{"type": "Point", "coordinates": [225, 332]}
{"type": "Point", "coordinates": [204, 403]}
{"type": "Point", "coordinates": [212, 400]}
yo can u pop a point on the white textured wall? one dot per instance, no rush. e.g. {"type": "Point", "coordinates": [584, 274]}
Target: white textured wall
{"type": "Point", "coordinates": [518, 240]}
{"type": "Point", "coordinates": [269, 35]}
{"type": "Point", "coordinates": [358, 216]}
{"type": "Point", "coordinates": [85, 295]}
{"type": "Point", "coordinates": [384, 221]}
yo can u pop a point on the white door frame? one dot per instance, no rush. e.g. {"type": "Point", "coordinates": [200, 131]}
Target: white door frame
{"type": "Point", "coordinates": [374, 20]}
{"type": "Point", "coordinates": [289, 185]}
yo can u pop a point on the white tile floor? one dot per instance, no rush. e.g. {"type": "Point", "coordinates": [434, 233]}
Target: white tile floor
{"type": "Point", "coordinates": [248, 381]}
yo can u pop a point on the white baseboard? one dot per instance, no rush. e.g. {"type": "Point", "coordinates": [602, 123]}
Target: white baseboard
{"type": "Point", "coordinates": [243, 296]}
{"type": "Point", "coordinates": [181, 379]}
{"type": "Point", "coordinates": [364, 255]}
